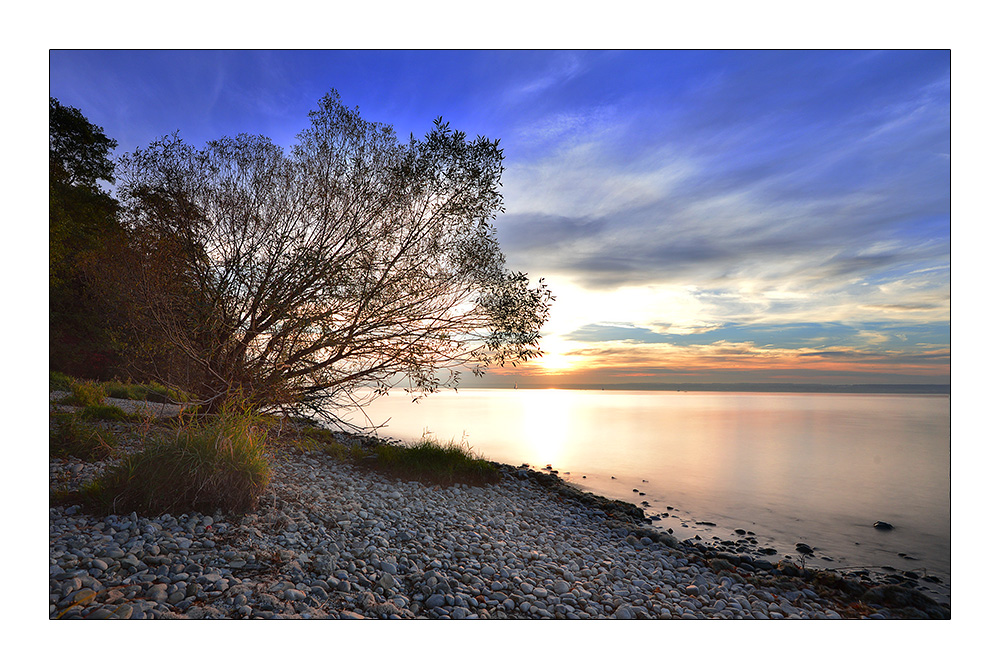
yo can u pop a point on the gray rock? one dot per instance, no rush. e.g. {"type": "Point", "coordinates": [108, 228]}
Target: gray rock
{"type": "Point", "coordinates": [123, 611]}
{"type": "Point", "coordinates": [100, 614]}
{"type": "Point", "coordinates": [624, 612]}
{"type": "Point", "coordinates": [293, 595]}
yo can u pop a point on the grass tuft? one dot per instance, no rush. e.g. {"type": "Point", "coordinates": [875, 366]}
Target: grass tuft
{"type": "Point", "coordinates": [121, 391]}
{"type": "Point", "coordinates": [60, 381]}
{"type": "Point", "coordinates": [217, 465]}
{"type": "Point", "coordinates": [72, 436]}
{"type": "Point", "coordinates": [105, 412]}
{"type": "Point", "coordinates": [149, 392]}
{"type": "Point", "coordinates": [85, 394]}
{"type": "Point", "coordinates": [431, 462]}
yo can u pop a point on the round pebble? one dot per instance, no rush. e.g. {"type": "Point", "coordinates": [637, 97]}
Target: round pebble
{"type": "Point", "coordinates": [333, 540]}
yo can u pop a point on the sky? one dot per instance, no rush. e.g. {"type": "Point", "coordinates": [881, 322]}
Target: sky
{"type": "Point", "coordinates": [678, 113]}
{"type": "Point", "coordinates": [702, 216]}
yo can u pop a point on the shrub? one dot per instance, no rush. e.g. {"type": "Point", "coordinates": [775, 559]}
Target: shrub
{"type": "Point", "coordinates": [431, 462]}
{"type": "Point", "coordinates": [150, 392]}
{"type": "Point", "coordinates": [154, 392]}
{"type": "Point", "coordinates": [60, 381]}
{"type": "Point", "coordinates": [120, 390]}
{"type": "Point", "coordinates": [73, 436]}
{"type": "Point", "coordinates": [105, 412]}
{"type": "Point", "coordinates": [85, 394]}
{"type": "Point", "coordinates": [218, 465]}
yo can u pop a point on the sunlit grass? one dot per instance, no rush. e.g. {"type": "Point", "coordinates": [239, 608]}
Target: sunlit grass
{"type": "Point", "coordinates": [220, 464]}
{"type": "Point", "coordinates": [92, 393]}
{"type": "Point", "coordinates": [85, 394]}
{"type": "Point", "coordinates": [431, 462]}
{"type": "Point", "coordinates": [105, 412]}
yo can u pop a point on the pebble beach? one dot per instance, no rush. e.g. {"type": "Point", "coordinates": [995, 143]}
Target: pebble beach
{"type": "Point", "coordinates": [335, 540]}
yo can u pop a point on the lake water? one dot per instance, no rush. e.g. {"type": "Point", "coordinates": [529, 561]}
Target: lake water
{"type": "Point", "coordinates": [789, 467]}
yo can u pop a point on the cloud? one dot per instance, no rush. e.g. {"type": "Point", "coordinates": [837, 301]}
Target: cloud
{"type": "Point", "coordinates": [744, 360]}
{"type": "Point", "coordinates": [529, 232]}
{"type": "Point", "coordinates": [817, 336]}
{"type": "Point", "coordinates": [787, 190]}
{"type": "Point", "coordinates": [562, 68]}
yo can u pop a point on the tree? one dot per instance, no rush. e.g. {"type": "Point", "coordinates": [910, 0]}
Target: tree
{"type": "Point", "coordinates": [83, 225]}
{"type": "Point", "coordinates": [298, 280]}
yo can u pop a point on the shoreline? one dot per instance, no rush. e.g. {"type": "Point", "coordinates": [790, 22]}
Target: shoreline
{"type": "Point", "coordinates": [336, 540]}
{"type": "Point", "coordinates": [745, 548]}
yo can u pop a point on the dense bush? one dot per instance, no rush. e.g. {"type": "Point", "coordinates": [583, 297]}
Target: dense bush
{"type": "Point", "coordinates": [218, 465]}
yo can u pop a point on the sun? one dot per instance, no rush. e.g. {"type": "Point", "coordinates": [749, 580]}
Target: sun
{"type": "Point", "coordinates": [559, 356]}
{"type": "Point", "coordinates": [555, 362]}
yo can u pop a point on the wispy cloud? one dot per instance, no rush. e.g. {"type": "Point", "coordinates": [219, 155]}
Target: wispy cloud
{"type": "Point", "coordinates": [813, 190]}
{"type": "Point", "coordinates": [739, 206]}
{"type": "Point", "coordinates": [560, 69]}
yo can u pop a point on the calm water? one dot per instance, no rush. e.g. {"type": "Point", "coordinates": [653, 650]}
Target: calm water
{"type": "Point", "coordinates": [812, 468]}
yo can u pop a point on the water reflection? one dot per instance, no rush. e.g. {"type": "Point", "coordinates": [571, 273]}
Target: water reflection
{"type": "Point", "coordinates": [796, 467]}
{"type": "Point", "coordinates": [546, 425]}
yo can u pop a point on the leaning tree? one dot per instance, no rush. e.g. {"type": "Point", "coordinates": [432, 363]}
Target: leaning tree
{"type": "Point", "coordinates": [305, 280]}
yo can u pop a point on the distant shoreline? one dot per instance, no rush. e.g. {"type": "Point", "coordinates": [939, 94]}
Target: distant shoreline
{"type": "Point", "coordinates": [875, 388]}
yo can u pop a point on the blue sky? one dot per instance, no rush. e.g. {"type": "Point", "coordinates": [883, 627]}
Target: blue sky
{"type": "Point", "coordinates": [701, 215]}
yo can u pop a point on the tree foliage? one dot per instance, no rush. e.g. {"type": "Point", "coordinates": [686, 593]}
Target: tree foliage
{"type": "Point", "coordinates": [350, 262]}
{"type": "Point", "coordinates": [83, 228]}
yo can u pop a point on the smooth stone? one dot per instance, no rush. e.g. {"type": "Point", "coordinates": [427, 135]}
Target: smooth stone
{"type": "Point", "coordinates": [83, 596]}
{"type": "Point", "coordinates": [100, 614]}
{"type": "Point", "coordinates": [624, 612]}
{"type": "Point", "coordinates": [123, 612]}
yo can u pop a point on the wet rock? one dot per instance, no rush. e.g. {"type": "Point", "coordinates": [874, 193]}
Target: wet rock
{"type": "Point", "coordinates": [882, 525]}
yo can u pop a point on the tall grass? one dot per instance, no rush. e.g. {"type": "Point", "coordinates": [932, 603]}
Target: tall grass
{"type": "Point", "coordinates": [92, 393]}
{"type": "Point", "coordinates": [150, 392]}
{"type": "Point", "coordinates": [103, 412]}
{"type": "Point", "coordinates": [60, 381]}
{"type": "Point", "coordinates": [220, 464]}
{"type": "Point", "coordinates": [432, 462]}
{"type": "Point", "coordinates": [73, 436]}
{"type": "Point", "coordinates": [85, 394]}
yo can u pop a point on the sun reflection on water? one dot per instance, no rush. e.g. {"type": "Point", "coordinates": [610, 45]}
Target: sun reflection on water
{"type": "Point", "coordinates": [546, 425]}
